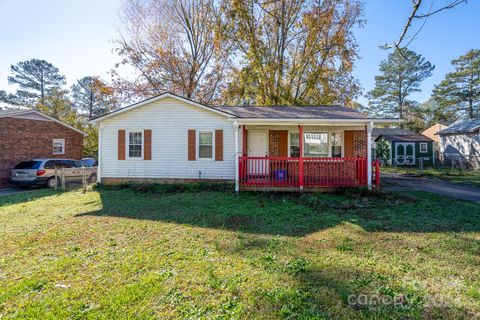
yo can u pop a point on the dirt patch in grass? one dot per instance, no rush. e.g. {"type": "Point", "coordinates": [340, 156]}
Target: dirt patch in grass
{"type": "Point", "coordinates": [238, 221]}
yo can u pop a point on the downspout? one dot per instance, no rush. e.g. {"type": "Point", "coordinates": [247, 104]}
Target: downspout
{"type": "Point", "coordinates": [300, 164]}
{"type": "Point", "coordinates": [369, 154]}
{"type": "Point", "coordinates": [99, 165]}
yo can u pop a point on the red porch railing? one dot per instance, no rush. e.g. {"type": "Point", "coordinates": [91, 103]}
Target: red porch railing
{"type": "Point", "coordinates": [376, 173]}
{"type": "Point", "coordinates": [317, 172]}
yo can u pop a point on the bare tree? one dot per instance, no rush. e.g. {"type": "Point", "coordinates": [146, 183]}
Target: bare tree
{"type": "Point", "coordinates": [174, 45]}
{"type": "Point", "coordinates": [404, 40]}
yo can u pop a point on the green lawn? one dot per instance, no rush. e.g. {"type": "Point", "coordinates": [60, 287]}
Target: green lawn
{"type": "Point", "coordinates": [215, 255]}
{"type": "Point", "coordinates": [469, 177]}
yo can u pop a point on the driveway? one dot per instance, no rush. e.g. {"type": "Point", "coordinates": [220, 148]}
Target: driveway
{"type": "Point", "coordinates": [11, 191]}
{"type": "Point", "coordinates": [454, 190]}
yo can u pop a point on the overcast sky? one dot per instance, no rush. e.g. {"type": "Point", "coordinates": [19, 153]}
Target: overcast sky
{"type": "Point", "coordinates": [77, 36]}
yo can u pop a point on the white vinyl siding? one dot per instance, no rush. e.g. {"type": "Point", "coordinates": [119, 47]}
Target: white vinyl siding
{"type": "Point", "coordinates": [169, 119]}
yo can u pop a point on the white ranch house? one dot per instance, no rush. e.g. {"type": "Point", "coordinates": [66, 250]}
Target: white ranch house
{"type": "Point", "coordinates": [170, 139]}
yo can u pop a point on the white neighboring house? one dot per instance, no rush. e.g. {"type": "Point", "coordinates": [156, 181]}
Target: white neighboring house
{"type": "Point", "coordinates": [170, 139]}
{"type": "Point", "coordinates": [461, 142]}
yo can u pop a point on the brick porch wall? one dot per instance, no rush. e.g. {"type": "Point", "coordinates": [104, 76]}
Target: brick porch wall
{"type": "Point", "coordinates": [360, 144]}
{"type": "Point", "coordinates": [23, 139]}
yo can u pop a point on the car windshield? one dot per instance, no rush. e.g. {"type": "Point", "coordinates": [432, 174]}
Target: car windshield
{"type": "Point", "coordinates": [28, 165]}
{"type": "Point", "coordinates": [89, 162]}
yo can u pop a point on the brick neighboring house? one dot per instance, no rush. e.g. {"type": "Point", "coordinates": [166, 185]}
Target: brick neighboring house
{"type": "Point", "coordinates": [431, 132]}
{"type": "Point", "coordinates": [26, 134]}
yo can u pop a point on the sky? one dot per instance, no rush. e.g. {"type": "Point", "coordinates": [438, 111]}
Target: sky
{"type": "Point", "coordinates": [77, 36]}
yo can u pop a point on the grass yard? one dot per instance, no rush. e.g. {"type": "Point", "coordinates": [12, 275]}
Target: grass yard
{"type": "Point", "coordinates": [468, 177]}
{"type": "Point", "coordinates": [199, 254]}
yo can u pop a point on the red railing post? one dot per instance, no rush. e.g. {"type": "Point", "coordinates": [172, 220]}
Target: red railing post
{"type": "Point", "coordinates": [377, 173]}
{"type": "Point", "coordinates": [300, 164]}
{"type": "Point", "coordinates": [240, 171]}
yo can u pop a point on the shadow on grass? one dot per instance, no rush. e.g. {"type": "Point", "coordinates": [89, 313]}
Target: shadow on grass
{"type": "Point", "coordinates": [29, 195]}
{"type": "Point", "coordinates": [291, 214]}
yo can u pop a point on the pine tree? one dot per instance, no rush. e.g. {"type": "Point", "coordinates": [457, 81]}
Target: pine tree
{"type": "Point", "coordinates": [92, 96]}
{"type": "Point", "coordinates": [401, 75]}
{"type": "Point", "coordinates": [460, 90]}
{"type": "Point", "coordinates": [36, 79]}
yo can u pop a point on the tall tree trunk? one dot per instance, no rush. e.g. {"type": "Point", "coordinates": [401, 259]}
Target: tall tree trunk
{"type": "Point", "coordinates": [90, 109]}
{"type": "Point", "coordinates": [470, 108]}
{"type": "Point", "coordinates": [42, 90]}
{"type": "Point", "coordinates": [400, 114]}
{"type": "Point", "coordinates": [400, 105]}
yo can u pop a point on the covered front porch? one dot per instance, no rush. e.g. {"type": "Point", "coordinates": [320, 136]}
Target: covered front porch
{"type": "Point", "coordinates": [305, 156]}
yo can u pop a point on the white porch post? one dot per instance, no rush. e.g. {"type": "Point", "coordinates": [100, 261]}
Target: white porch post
{"type": "Point", "coordinates": [369, 154]}
{"type": "Point", "coordinates": [99, 155]}
{"type": "Point", "coordinates": [237, 182]}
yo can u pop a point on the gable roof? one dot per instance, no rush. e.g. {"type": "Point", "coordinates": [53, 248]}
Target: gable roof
{"type": "Point", "coordinates": [157, 98]}
{"type": "Point", "coordinates": [5, 112]}
{"type": "Point", "coordinates": [462, 126]}
{"type": "Point", "coordinates": [23, 112]}
{"type": "Point", "coordinates": [407, 136]}
{"type": "Point", "coordinates": [389, 131]}
{"type": "Point", "coordinates": [312, 112]}
{"type": "Point", "coordinates": [293, 112]}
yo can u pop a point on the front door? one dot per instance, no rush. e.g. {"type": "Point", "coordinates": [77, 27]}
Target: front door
{"type": "Point", "coordinates": [258, 147]}
{"type": "Point", "coordinates": [405, 153]}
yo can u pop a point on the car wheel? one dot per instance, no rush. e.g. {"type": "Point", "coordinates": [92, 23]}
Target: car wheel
{"type": "Point", "coordinates": [92, 178]}
{"type": "Point", "coordinates": [52, 182]}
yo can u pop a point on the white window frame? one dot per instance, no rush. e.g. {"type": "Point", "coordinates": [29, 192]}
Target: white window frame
{"type": "Point", "coordinates": [328, 143]}
{"type": "Point", "coordinates": [63, 146]}
{"type": "Point", "coordinates": [423, 144]}
{"type": "Point", "coordinates": [289, 142]}
{"type": "Point", "coordinates": [212, 132]}
{"type": "Point", "coordinates": [342, 143]}
{"type": "Point", "coordinates": [128, 144]}
{"type": "Point", "coordinates": [342, 132]}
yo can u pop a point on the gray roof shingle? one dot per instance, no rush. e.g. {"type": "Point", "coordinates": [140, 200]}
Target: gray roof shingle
{"type": "Point", "coordinates": [334, 112]}
{"type": "Point", "coordinates": [405, 137]}
{"type": "Point", "coordinates": [398, 134]}
{"type": "Point", "coordinates": [462, 126]}
{"type": "Point", "coordinates": [9, 111]}
{"type": "Point", "coordinates": [389, 131]}
{"type": "Point", "coordinates": [293, 112]}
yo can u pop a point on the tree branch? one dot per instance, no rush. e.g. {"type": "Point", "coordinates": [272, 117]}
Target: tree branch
{"type": "Point", "coordinates": [416, 4]}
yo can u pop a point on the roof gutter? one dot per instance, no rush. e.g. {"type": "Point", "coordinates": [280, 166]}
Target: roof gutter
{"type": "Point", "coordinates": [266, 121]}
